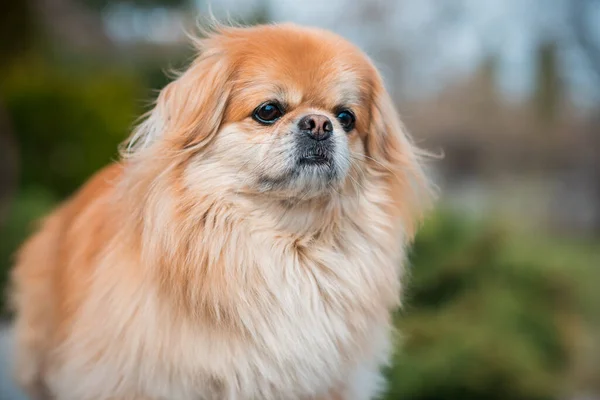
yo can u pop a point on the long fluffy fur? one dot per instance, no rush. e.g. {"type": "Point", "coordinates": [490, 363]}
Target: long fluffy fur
{"type": "Point", "coordinates": [163, 279]}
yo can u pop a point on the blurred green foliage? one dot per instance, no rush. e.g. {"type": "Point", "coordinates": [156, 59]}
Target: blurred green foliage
{"type": "Point", "coordinates": [68, 125]}
{"type": "Point", "coordinates": [490, 313]}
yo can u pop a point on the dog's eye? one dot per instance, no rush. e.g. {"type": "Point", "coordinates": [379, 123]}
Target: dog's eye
{"type": "Point", "coordinates": [347, 119]}
{"type": "Point", "coordinates": [267, 113]}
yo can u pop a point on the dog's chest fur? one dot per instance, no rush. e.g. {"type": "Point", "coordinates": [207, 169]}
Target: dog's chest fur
{"type": "Point", "coordinates": [290, 317]}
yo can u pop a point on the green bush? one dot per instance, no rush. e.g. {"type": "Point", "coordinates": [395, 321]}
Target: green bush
{"type": "Point", "coordinates": [68, 125]}
{"type": "Point", "coordinates": [488, 315]}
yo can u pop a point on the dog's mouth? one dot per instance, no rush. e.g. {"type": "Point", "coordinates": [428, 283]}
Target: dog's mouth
{"type": "Point", "coordinates": [312, 169]}
{"type": "Point", "coordinates": [316, 154]}
{"type": "Point", "coordinates": [311, 172]}
{"type": "Point", "coordinates": [315, 160]}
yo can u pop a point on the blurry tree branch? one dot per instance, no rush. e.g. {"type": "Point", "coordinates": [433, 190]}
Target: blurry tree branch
{"type": "Point", "coordinates": [8, 164]}
{"type": "Point", "coordinates": [101, 4]}
{"type": "Point", "coordinates": [74, 24]}
{"type": "Point", "coordinates": [17, 31]}
{"type": "Point", "coordinates": [17, 28]}
{"type": "Point", "coordinates": [79, 24]}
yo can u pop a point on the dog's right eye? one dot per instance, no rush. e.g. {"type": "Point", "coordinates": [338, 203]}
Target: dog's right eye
{"type": "Point", "coordinates": [267, 113]}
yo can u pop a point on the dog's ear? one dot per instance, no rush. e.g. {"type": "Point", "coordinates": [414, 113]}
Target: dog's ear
{"type": "Point", "coordinates": [189, 111]}
{"type": "Point", "coordinates": [392, 155]}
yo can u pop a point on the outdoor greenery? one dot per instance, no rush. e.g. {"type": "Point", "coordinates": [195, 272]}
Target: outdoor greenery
{"type": "Point", "coordinates": [490, 313]}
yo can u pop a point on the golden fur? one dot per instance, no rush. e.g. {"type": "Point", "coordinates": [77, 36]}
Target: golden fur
{"type": "Point", "coordinates": [186, 271]}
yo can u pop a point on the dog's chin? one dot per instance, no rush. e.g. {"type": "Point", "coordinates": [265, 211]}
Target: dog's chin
{"type": "Point", "coordinates": [308, 177]}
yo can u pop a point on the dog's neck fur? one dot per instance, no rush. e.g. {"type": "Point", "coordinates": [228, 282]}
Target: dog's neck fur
{"type": "Point", "coordinates": [186, 237]}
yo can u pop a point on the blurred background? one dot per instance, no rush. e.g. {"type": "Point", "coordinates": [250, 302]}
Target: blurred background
{"type": "Point", "coordinates": [504, 284]}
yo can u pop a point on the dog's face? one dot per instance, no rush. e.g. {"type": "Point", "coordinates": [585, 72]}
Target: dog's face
{"type": "Point", "coordinates": [281, 111]}
{"type": "Point", "coordinates": [298, 111]}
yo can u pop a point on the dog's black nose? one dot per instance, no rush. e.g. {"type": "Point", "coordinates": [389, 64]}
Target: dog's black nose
{"type": "Point", "coordinates": [318, 127]}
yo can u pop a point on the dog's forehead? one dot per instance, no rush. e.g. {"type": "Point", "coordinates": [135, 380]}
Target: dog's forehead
{"type": "Point", "coordinates": [305, 64]}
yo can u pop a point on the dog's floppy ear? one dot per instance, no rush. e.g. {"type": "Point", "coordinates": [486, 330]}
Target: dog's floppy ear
{"type": "Point", "coordinates": [189, 110]}
{"type": "Point", "coordinates": [393, 155]}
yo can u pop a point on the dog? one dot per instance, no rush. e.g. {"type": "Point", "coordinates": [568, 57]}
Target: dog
{"type": "Point", "coordinates": [249, 243]}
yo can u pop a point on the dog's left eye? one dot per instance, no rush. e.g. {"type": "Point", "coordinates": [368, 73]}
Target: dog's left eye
{"type": "Point", "coordinates": [267, 113]}
{"type": "Point", "coordinates": [347, 119]}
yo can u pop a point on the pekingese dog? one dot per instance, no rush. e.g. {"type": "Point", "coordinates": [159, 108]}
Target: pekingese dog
{"type": "Point", "coordinates": [249, 244]}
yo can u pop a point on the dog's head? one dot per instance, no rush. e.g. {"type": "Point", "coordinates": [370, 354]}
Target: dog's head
{"type": "Point", "coordinates": [284, 112]}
